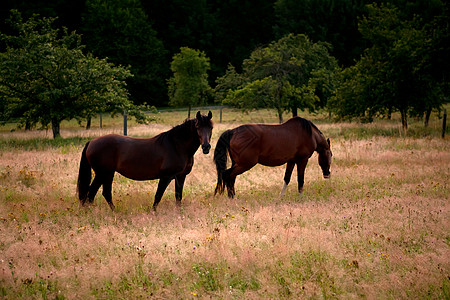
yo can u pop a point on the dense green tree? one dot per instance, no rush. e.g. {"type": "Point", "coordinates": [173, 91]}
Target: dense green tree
{"type": "Point", "coordinates": [121, 31]}
{"type": "Point", "coordinates": [285, 75]}
{"type": "Point", "coordinates": [46, 78]}
{"type": "Point", "coordinates": [231, 80]}
{"type": "Point", "coordinates": [226, 30]}
{"type": "Point", "coordinates": [397, 71]}
{"type": "Point", "coordinates": [189, 84]}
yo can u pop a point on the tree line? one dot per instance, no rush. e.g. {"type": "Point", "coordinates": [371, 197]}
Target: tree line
{"type": "Point", "coordinates": [355, 58]}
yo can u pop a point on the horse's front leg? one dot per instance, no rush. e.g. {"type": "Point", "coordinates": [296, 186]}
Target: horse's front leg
{"type": "Point", "coordinates": [179, 180]}
{"type": "Point", "coordinates": [162, 185]}
{"type": "Point", "coordinates": [287, 177]}
{"type": "Point", "coordinates": [179, 183]}
{"type": "Point", "coordinates": [301, 166]}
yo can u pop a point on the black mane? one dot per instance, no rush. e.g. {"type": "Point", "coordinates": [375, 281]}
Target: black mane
{"type": "Point", "coordinates": [182, 130]}
{"type": "Point", "coordinates": [308, 125]}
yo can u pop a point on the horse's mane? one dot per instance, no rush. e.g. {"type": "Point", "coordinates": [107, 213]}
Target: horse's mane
{"type": "Point", "coordinates": [178, 130]}
{"type": "Point", "coordinates": [183, 129]}
{"type": "Point", "coordinates": [308, 125]}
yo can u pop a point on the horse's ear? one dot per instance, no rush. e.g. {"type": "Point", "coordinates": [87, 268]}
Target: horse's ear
{"type": "Point", "coordinates": [210, 115]}
{"type": "Point", "coordinates": [199, 116]}
{"type": "Point", "coordinates": [328, 141]}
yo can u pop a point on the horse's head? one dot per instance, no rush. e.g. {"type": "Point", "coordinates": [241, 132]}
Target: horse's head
{"type": "Point", "coordinates": [325, 160]}
{"type": "Point", "coordinates": [204, 127]}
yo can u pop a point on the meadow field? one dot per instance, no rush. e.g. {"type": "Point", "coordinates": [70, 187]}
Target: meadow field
{"type": "Point", "coordinates": [378, 229]}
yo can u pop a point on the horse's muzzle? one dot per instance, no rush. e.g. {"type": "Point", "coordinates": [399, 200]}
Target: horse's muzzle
{"type": "Point", "coordinates": [327, 175]}
{"type": "Point", "coordinates": [206, 148]}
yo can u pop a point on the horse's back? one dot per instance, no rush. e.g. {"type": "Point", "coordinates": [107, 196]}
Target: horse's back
{"type": "Point", "coordinates": [126, 155]}
{"type": "Point", "coordinates": [272, 145]}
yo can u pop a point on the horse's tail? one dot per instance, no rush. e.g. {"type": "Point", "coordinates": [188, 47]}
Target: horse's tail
{"type": "Point", "coordinates": [220, 158]}
{"type": "Point", "coordinates": [84, 176]}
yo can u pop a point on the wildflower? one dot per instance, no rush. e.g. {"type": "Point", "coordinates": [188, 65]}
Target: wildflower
{"type": "Point", "coordinates": [245, 210]}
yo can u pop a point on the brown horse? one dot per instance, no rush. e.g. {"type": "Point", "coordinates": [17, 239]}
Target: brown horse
{"type": "Point", "coordinates": [270, 145]}
{"type": "Point", "coordinates": [167, 156]}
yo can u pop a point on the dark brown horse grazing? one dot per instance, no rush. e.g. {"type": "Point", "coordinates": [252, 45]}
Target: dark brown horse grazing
{"type": "Point", "coordinates": [167, 156]}
{"type": "Point", "coordinates": [270, 145]}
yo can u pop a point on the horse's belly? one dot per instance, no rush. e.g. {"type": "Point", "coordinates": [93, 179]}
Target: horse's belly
{"type": "Point", "coordinates": [155, 169]}
{"type": "Point", "coordinates": [139, 169]}
{"type": "Point", "coordinates": [136, 175]}
{"type": "Point", "coordinates": [276, 155]}
{"type": "Point", "coordinates": [272, 162]}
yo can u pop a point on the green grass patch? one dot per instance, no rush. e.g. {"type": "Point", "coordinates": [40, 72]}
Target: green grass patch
{"type": "Point", "coordinates": [42, 144]}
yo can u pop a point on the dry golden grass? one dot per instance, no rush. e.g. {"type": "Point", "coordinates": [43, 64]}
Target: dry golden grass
{"type": "Point", "coordinates": [379, 228]}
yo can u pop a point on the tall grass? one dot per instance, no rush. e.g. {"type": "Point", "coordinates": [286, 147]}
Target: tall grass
{"type": "Point", "coordinates": [377, 229]}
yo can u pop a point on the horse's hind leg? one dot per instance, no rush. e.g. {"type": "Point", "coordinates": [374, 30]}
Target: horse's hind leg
{"type": "Point", "coordinates": [229, 182]}
{"type": "Point", "coordinates": [230, 187]}
{"type": "Point", "coordinates": [287, 177]}
{"type": "Point", "coordinates": [231, 175]}
{"type": "Point", "coordinates": [93, 188]}
{"type": "Point", "coordinates": [107, 189]}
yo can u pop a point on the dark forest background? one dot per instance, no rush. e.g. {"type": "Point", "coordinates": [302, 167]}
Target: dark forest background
{"type": "Point", "coordinates": [146, 34]}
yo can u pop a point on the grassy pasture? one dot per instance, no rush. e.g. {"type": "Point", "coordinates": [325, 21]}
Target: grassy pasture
{"type": "Point", "coordinates": [379, 228]}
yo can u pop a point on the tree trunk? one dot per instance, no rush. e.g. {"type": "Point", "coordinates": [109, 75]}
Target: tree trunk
{"type": "Point", "coordinates": [404, 120]}
{"type": "Point", "coordinates": [294, 111]}
{"type": "Point", "coordinates": [280, 115]}
{"type": "Point", "coordinates": [56, 129]}
{"type": "Point", "coordinates": [27, 125]}
{"type": "Point", "coordinates": [189, 112]}
{"type": "Point", "coordinates": [427, 117]}
{"type": "Point", "coordinates": [88, 123]}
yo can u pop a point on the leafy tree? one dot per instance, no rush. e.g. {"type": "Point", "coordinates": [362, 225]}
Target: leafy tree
{"type": "Point", "coordinates": [189, 84]}
{"type": "Point", "coordinates": [286, 75]}
{"type": "Point", "coordinates": [121, 31]}
{"type": "Point", "coordinates": [46, 78]}
{"type": "Point", "coordinates": [231, 80]}
{"type": "Point", "coordinates": [396, 72]}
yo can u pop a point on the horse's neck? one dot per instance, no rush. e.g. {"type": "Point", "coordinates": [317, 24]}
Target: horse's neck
{"type": "Point", "coordinates": [185, 138]}
{"type": "Point", "coordinates": [321, 142]}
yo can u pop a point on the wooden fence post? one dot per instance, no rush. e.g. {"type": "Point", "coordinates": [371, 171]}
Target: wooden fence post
{"type": "Point", "coordinates": [221, 114]}
{"type": "Point", "coordinates": [444, 123]}
{"type": "Point", "coordinates": [101, 120]}
{"type": "Point", "coordinates": [125, 122]}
